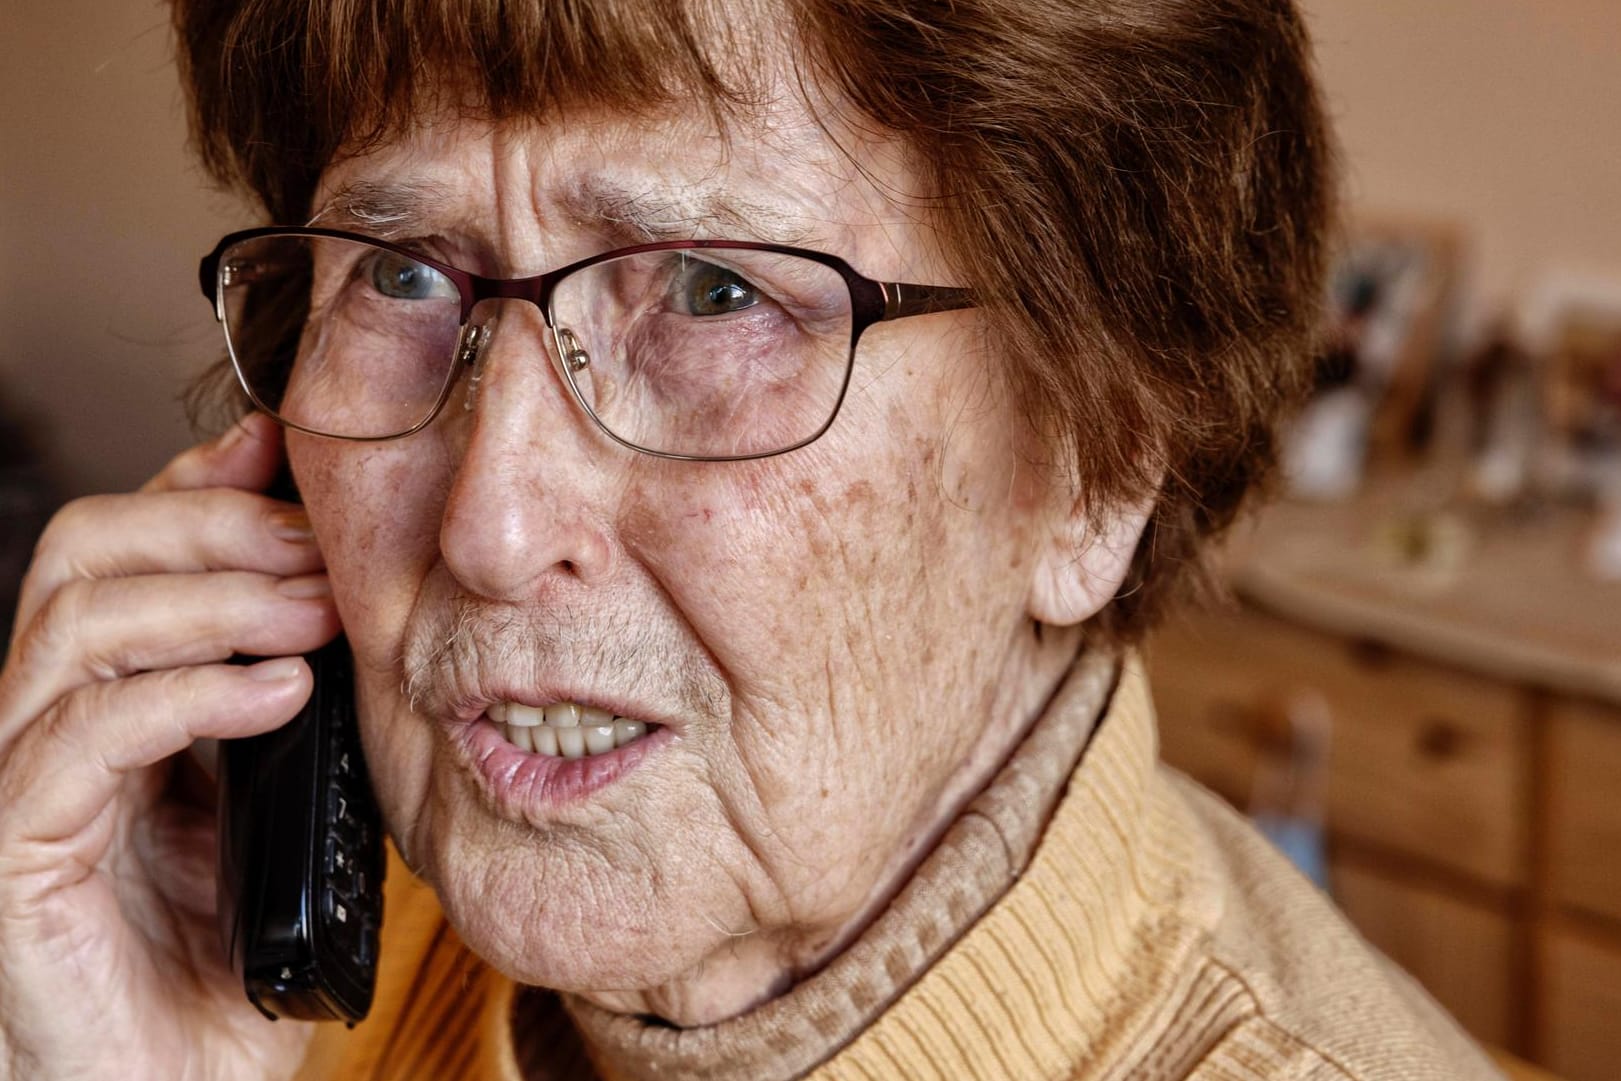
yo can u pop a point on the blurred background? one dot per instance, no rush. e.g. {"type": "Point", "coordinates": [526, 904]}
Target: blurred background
{"type": "Point", "coordinates": [1416, 688]}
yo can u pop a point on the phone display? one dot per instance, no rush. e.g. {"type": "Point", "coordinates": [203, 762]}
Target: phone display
{"type": "Point", "coordinates": [301, 857]}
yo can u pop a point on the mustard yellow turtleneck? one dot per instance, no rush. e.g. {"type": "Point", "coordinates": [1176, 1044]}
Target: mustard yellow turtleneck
{"type": "Point", "coordinates": [1110, 921]}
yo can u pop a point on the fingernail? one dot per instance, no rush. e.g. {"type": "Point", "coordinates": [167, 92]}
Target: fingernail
{"type": "Point", "coordinates": [306, 587]}
{"type": "Point", "coordinates": [292, 526]}
{"type": "Point", "coordinates": [275, 670]}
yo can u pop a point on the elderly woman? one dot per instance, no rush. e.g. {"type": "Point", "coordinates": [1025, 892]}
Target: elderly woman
{"type": "Point", "coordinates": [740, 445]}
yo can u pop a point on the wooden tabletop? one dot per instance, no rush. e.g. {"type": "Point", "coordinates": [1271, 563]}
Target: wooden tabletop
{"type": "Point", "coordinates": [1504, 593]}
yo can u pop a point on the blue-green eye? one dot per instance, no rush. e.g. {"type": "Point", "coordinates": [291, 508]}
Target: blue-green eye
{"type": "Point", "coordinates": [707, 289]}
{"type": "Point", "coordinates": [400, 278]}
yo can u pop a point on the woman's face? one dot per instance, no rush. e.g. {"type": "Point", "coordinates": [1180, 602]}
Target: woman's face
{"type": "Point", "coordinates": [832, 649]}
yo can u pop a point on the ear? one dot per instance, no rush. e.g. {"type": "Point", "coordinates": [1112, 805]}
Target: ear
{"type": "Point", "coordinates": [1083, 562]}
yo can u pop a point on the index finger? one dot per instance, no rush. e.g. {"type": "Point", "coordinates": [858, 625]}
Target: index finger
{"type": "Point", "coordinates": [247, 455]}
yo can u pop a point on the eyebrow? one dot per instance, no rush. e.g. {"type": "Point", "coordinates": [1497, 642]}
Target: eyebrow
{"type": "Point", "coordinates": [644, 216]}
{"type": "Point", "coordinates": [384, 211]}
{"type": "Point", "coordinates": [397, 210]}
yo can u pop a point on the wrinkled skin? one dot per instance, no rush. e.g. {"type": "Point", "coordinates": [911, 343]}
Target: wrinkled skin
{"type": "Point", "coordinates": [840, 642]}
{"type": "Point", "coordinates": [840, 638]}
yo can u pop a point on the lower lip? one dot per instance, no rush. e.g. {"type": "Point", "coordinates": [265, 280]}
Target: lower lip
{"type": "Point", "coordinates": [523, 784]}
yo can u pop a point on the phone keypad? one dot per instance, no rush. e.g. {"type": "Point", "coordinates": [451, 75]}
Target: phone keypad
{"type": "Point", "coordinates": [349, 905]}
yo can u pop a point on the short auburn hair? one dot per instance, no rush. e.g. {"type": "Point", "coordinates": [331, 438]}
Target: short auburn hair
{"type": "Point", "coordinates": [1138, 190]}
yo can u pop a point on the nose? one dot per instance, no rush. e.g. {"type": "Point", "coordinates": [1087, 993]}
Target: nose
{"type": "Point", "coordinates": [528, 508]}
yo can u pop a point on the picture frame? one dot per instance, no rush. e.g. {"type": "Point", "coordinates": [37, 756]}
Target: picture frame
{"type": "Point", "coordinates": [1390, 293]}
{"type": "Point", "coordinates": [1572, 328]}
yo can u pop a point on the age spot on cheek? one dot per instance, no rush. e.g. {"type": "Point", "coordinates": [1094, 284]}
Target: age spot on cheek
{"type": "Point", "coordinates": [859, 493]}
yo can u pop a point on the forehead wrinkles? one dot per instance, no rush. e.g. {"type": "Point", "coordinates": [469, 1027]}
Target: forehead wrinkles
{"type": "Point", "coordinates": [774, 157]}
{"type": "Point", "coordinates": [781, 177]}
{"type": "Point", "coordinates": [789, 163]}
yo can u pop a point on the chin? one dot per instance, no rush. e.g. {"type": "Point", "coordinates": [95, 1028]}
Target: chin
{"type": "Point", "coordinates": [545, 914]}
{"type": "Point", "coordinates": [602, 900]}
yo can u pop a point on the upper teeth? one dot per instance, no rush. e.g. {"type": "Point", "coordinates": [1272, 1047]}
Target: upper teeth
{"type": "Point", "coordinates": [564, 729]}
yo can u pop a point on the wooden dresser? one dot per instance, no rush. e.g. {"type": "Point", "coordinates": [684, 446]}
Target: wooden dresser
{"type": "Point", "coordinates": [1472, 676]}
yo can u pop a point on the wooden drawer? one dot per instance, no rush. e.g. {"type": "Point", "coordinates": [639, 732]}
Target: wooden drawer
{"type": "Point", "coordinates": [1584, 807]}
{"type": "Point", "coordinates": [1581, 1039]}
{"type": "Point", "coordinates": [1461, 952]}
{"type": "Point", "coordinates": [1205, 694]}
{"type": "Point", "coordinates": [1431, 762]}
{"type": "Point", "coordinates": [1425, 760]}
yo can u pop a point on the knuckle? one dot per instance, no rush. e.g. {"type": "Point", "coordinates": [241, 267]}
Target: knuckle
{"type": "Point", "coordinates": [56, 724]}
{"type": "Point", "coordinates": [62, 615]}
{"type": "Point", "coordinates": [73, 520]}
{"type": "Point", "coordinates": [177, 688]}
{"type": "Point", "coordinates": [185, 463]}
{"type": "Point", "coordinates": [113, 725]}
{"type": "Point", "coordinates": [187, 469]}
{"type": "Point", "coordinates": [60, 551]}
{"type": "Point", "coordinates": [57, 626]}
{"type": "Point", "coordinates": [10, 777]}
{"type": "Point", "coordinates": [57, 540]}
{"type": "Point", "coordinates": [26, 759]}
{"type": "Point", "coordinates": [83, 725]}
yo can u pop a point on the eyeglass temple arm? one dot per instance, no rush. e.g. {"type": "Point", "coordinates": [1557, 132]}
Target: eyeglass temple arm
{"type": "Point", "coordinates": [902, 299]}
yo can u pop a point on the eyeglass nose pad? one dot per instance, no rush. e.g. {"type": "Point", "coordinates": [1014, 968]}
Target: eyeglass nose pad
{"type": "Point", "coordinates": [475, 336]}
{"type": "Point", "coordinates": [574, 354]}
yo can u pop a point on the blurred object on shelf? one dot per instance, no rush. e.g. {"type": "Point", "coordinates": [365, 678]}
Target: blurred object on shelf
{"type": "Point", "coordinates": [1390, 294]}
{"type": "Point", "coordinates": [1327, 444]}
{"type": "Point", "coordinates": [1572, 326]}
{"type": "Point", "coordinates": [1501, 399]}
{"type": "Point", "coordinates": [1583, 401]}
{"type": "Point", "coordinates": [1603, 556]}
{"type": "Point", "coordinates": [1294, 731]}
{"type": "Point", "coordinates": [1483, 438]}
{"type": "Point", "coordinates": [1427, 549]}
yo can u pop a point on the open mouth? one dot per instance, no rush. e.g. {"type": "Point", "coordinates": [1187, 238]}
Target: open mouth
{"type": "Point", "coordinates": [564, 729]}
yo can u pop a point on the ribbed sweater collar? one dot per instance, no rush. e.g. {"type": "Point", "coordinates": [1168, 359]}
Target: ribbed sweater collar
{"type": "Point", "coordinates": [913, 950]}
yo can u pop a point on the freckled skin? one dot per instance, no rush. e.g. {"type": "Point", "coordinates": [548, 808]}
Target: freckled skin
{"type": "Point", "coordinates": [840, 636]}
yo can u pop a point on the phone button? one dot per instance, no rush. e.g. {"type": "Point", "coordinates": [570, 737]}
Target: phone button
{"type": "Point", "coordinates": [342, 912]}
{"type": "Point", "coordinates": [340, 867]}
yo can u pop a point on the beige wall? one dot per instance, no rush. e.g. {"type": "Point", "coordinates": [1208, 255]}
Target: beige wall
{"type": "Point", "coordinates": [102, 219]}
{"type": "Point", "coordinates": [1504, 115]}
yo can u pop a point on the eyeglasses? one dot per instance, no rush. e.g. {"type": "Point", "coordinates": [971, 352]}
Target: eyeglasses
{"type": "Point", "coordinates": [693, 349]}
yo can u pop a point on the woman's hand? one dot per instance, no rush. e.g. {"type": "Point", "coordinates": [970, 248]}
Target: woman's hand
{"type": "Point", "coordinates": [110, 961]}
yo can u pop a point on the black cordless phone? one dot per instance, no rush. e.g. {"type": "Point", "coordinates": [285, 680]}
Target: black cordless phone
{"type": "Point", "coordinates": [301, 856]}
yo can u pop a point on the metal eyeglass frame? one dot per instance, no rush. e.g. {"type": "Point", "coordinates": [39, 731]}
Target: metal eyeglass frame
{"type": "Point", "coordinates": [871, 302]}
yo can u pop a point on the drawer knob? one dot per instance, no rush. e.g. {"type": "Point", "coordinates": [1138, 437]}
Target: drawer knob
{"type": "Point", "coordinates": [1369, 653]}
{"type": "Point", "coordinates": [1439, 739]}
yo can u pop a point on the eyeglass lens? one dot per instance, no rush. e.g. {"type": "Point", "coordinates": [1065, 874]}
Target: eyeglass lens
{"type": "Point", "coordinates": [706, 353]}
